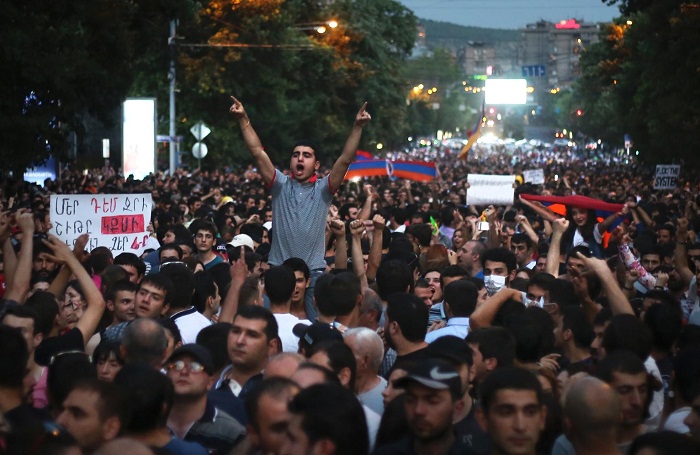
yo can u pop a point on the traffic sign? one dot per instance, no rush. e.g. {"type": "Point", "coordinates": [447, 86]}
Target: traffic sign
{"type": "Point", "coordinates": [200, 131]}
{"type": "Point", "coordinates": [533, 71]}
{"type": "Point", "coordinates": [199, 150]}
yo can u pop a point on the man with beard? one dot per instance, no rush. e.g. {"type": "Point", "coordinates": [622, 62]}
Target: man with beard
{"type": "Point", "coordinates": [300, 201]}
{"type": "Point", "coordinates": [405, 327]}
{"type": "Point", "coordinates": [433, 392]}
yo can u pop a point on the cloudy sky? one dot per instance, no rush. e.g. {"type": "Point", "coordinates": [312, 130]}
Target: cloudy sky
{"type": "Point", "coordinates": [510, 14]}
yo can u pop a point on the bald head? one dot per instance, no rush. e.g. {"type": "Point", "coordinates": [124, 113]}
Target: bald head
{"type": "Point", "coordinates": [283, 365]}
{"type": "Point", "coordinates": [591, 410]}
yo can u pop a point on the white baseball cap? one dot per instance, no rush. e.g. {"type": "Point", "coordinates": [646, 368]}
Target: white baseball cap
{"type": "Point", "coordinates": [242, 240]}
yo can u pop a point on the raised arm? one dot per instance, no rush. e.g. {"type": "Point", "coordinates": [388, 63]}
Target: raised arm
{"type": "Point", "coordinates": [617, 300]}
{"type": "Point", "coordinates": [366, 209]}
{"type": "Point", "coordinates": [538, 208]}
{"type": "Point", "coordinates": [340, 168]}
{"type": "Point", "coordinates": [357, 228]}
{"type": "Point", "coordinates": [19, 285]}
{"type": "Point", "coordinates": [559, 227]}
{"type": "Point", "coordinates": [341, 244]}
{"type": "Point", "coordinates": [486, 312]}
{"type": "Point", "coordinates": [239, 272]}
{"type": "Point", "coordinates": [375, 250]}
{"type": "Point", "coordinates": [252, 141]}
{"type": "Point", "coordinates": [87, 324]}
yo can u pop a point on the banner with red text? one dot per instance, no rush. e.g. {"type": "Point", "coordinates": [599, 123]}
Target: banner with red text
{"type": "Point", "coordinates": [114, 221]}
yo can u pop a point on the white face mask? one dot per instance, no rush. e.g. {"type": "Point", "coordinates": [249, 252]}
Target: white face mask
{"type": "Point", "coordinates": [494, 283]}
{"type": "Point", "coordinates": [528, 303]}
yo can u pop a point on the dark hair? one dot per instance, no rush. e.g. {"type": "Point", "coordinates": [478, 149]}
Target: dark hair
{"type": "Point", "coordinates": [686, 371]}
{"type": "Point", "coordinates": [253, 230]}
{"type": "Point", "coordinates": [279, 284]}
{"type": "Point", "coordinates": [183, 284]}
{"type": "Point", "coordinates": [214, 338]}
{"type": "Point", "coordinates": [410, 313]}
{"type": "Point", "coordinates": [22, 312]}
{"type": "Point", "coordinates": [46, 308]}
{"type": "Point", "coordinates": [665, 323]}
{"type": "Point", "coordinates": [120, 286]}
{"type": "Point", "coordinates": [277, 387]}
{"type": "Point", "coordinates": [162, 282]}
{"type": "Point", "coordinates": [344, 290]}
{"type": "Point", "coordinates": [345, 426]}
{"type": "Point", "coordinates": [502, 255]}
{"type": "Point", "coordinates": [204, 225]}
{"type": "Point", "coordinates": [665, 443]}
{"type": "Point", "coordinates": [204, 287]}
{"type": "Point", "coordinates": [620, 361]}
{"type": "Point", "coordinates": [626, 332]}
{"type": "Point", "coordinates": [494, 342]}
{"type": "Point", "coordinates": [508, 378]}
{"type": "Point", "coordinates": [542, 280]}
{"type": "Point", "coordinates": [104, 349]}
{"type": "Point", "coordinates": [421, 232]}
{"type": "Point", "coordinates": [262, 314]}
{"type": "Point", "coordinates": [100, 258]}
{"type": "Point", "coordinates": [574, 319]}
{"type": "Point", "coordinates": [298, 265]}
{"type": "Point", "coordinates": [522, 238]}
{"type": "Point", "coordinates": [13, 361]}
{"type": "Point", "coordinates": [65, 370]}
{"type": "Point", "coordinates": [312, 145]}
{"type": "Point", "coordinates": [130, 259]}
{"type": "Point", "coordinates": [339, 355]}
{"type": "Point", "coordinates": [170, 326]}
{"type": "Point", "coordinates": [112, 274]}
{"type": "Point", "coordinates": [150, 395]}
{"type": "Point", "coordinates": [393, 276]}
{"type": "Point", "coordinates": [461, 296]}
{"type": "Point", "coordinates": [524, 328]}
{"type": "Point", "coordinates": [329, 377]}
{"type": "Point", "coordinates": [112, 401]}
{"type": "Point", "coordinates": [171, 246]}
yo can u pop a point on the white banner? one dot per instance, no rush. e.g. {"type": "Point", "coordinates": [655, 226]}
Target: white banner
{"type": "Point", "coordinates": [115, 221]}
{"type": "Point", "coordinates": [667, 176]}
{"type": "Point", "coordinates": [534, 176]}
{"type": "Point", "coordinates": [490, 189]}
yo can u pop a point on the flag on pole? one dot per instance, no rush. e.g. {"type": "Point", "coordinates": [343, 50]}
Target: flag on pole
{"type": "Point", "coordinates": [473, 135]}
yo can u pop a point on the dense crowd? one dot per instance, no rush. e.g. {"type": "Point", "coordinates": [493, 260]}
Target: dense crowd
{"type": "Point", "coordinates": [293, 312]}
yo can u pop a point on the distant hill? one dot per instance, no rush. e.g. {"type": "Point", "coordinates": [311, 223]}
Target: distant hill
{"type": "Point", "coordinates": [445, 34]}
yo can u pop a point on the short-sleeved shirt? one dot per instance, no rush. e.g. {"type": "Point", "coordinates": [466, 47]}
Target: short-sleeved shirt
{"type": "Point", "coordinates": [299, 219]}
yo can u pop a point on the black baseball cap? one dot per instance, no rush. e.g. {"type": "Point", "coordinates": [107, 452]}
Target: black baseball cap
{"type": "Point", "coordinates": [452, 348]}
{"type": "Point", "coordinates": [200, 353]}
{"type": "Point", "coordinates": [315, 333]}
{"type": "Point", "coordinates": [435, 374]}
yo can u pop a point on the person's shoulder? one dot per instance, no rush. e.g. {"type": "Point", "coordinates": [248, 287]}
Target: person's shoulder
{"type": "Point", "coordinates": [179, 447]}
{"type": "Point", "coordinates": [402, 446]}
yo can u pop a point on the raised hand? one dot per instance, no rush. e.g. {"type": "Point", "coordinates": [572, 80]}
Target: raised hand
{"type": "Point", "coordinates": [357, 228]}
{"type": "Point", "coordinates": [338, 228]}
{"type": "Point", "coordinates": [378, 222]}
{"type": "Point", "coordinates": [237, 108]}
{"type": "Point", "coordinates": [362, 118]}
{"type": "Point", "coordinates": [61, 252]}
{"type": "Point", "coordinates": [560, 225]}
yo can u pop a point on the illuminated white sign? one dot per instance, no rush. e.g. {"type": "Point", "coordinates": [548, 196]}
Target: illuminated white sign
{"type": "Point", "coordinates": [505, 91]}
{"type": "Point", "coordinates": [139, 145]}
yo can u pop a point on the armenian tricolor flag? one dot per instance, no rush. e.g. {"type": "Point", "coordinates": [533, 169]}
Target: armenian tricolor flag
{"type": "Point", "coordinates": [409, 170]}
{"type": "Point", "coordinates": [366, 168]}
{"type": "Point", "coordinates": [364, 155]}
{"type": "Point", "coordinates": [419, 171]}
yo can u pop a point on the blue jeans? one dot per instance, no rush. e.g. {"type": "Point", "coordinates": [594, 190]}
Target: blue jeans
{"type": "Point", "coordinates": [311, 310]}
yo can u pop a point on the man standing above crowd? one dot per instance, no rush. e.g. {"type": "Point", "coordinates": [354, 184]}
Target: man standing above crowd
{"type": "Point", "coordinates": [300, 201]}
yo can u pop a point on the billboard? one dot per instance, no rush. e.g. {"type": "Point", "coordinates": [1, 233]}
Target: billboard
{"type": "Point", "coordinates": [139, 130]}
{"type": "Point", "coordinates": [506, 91]}
{"type": "Point", "coordinates": [38, 174]}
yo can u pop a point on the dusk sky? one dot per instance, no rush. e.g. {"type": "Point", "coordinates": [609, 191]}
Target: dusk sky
{"type": "Point", "coordinates": [510, 14]}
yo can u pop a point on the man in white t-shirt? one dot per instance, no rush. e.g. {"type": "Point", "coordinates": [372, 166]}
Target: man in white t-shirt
{"type": "Point", "coordinates": [280, 282]}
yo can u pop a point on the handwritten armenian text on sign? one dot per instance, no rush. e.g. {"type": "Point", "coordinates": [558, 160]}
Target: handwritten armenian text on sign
{"type": "Point", "coordinates": [115, 221]}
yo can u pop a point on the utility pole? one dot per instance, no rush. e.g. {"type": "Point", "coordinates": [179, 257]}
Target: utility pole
{"type": "Point", "coordinates": [172, 51]}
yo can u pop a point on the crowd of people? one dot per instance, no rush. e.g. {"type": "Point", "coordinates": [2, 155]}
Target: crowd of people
{"type": "Point", "coordinates": [292, 312]}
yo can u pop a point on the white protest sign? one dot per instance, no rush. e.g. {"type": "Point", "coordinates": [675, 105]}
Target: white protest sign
{"type": "Point", "coordinates": [534, 176]}
{"type": "Point", "coordinates": [490, 189]}
{"type": "Point", "coordinates": [667, 176]}
{"type": "Point", "coordinates": [115, 221]}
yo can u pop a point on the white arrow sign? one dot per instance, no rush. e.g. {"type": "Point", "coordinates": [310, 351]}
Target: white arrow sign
{"type": "Point", "coordinates": [200, 131]}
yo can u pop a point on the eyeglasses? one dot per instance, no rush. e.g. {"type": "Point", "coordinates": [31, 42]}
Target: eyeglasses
{"type": "Point", "coordinates": [179, 365]}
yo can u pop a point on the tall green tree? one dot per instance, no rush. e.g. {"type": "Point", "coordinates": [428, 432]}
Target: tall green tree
{"type": "Point", "coordinates": [63, 60]}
